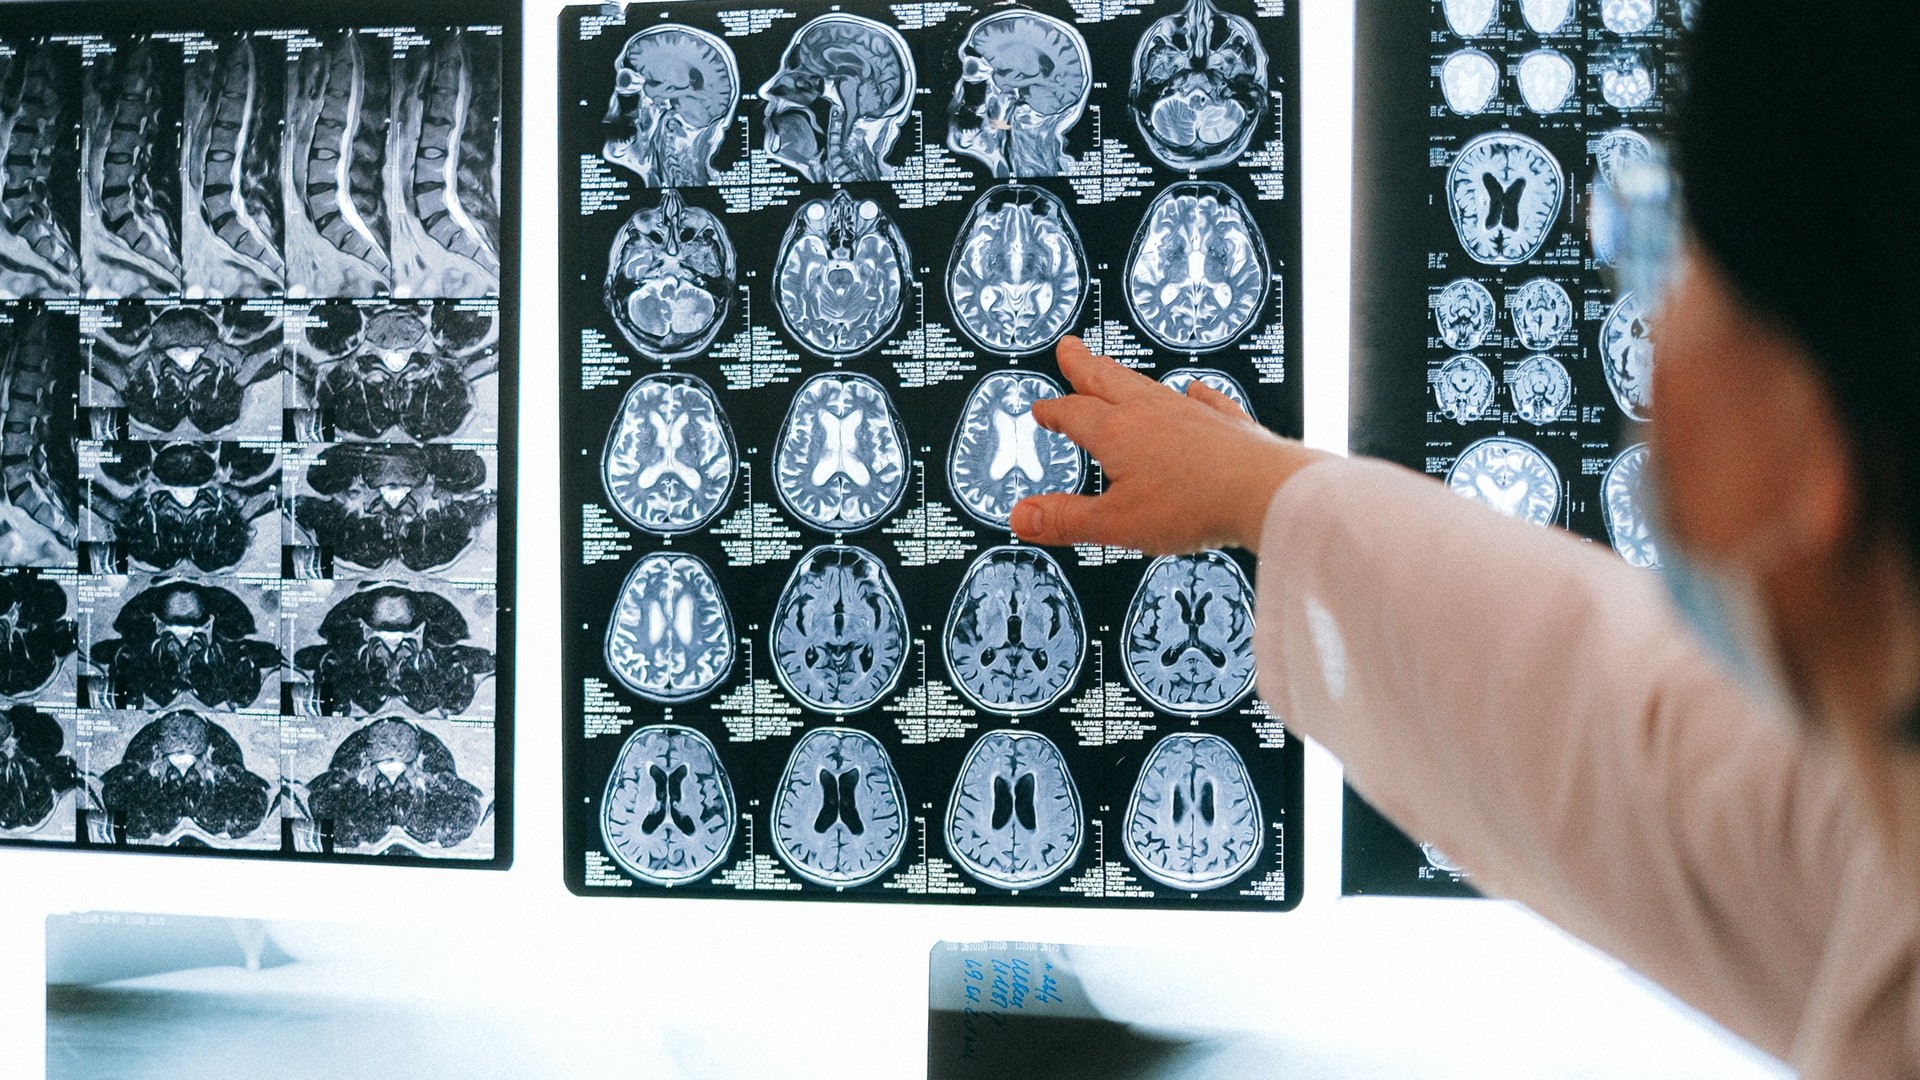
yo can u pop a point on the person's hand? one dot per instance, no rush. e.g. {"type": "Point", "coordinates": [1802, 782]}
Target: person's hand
{"type": "Point", "coordinates": [1184, 473]}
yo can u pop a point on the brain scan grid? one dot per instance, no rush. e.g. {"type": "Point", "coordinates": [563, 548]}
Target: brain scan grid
{"type": "Point", "coordinates": [258, 281]}
{"type": "Point", "coordinates": [815, 261]}
{"type": "Point", "coordinates": [1492, 351]}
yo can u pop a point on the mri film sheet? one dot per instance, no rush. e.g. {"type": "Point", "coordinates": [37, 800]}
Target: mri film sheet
{"type": "Point", "coordinates": [1489, 349]}
{"type": "Point", "coordinates": [257, 364]}
{"type": "Point", "coordinates": [815, 260]}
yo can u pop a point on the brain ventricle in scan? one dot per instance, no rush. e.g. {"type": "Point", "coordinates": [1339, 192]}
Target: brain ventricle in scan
{"type": "Point", "coordinates": [1194, 821]}
{"type": "Point", "coordinates": [1189, 643]}
{"type": "Point", "coordinates": [1015, 820]}
{"type": "Point", "coordinates": [1015, 638]}
{"type": "Point", "coordinates": [840, 634]}
{"type": "Point", "coordinates": [1197, 278]}
{"type": "Point", "coordinates": [1018, 275]}
{"type": "Point", "coordinates": [670, 458]}
{"type": "Point", "coordinates": [841, 462]}
{"type": "Point", "coordinates": [668, 815]}
{"type": "Point", "coordinates": [1001, 454]}
{"type": "Point", "coordinates": [671, 635]}
{"type": "Point", "coordinates": [839, 816]}
{"type": "Point", "coordinates": [843, 275]}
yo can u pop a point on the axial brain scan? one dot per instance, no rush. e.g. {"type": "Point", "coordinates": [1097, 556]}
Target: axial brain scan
{"type": "Point", "coordinates": [1199, 88]}
{"type": "Point", "coordinates": [675, 89]}
{"type": "Point", "coordinates": [1464, 388]}
{"type": "Point", "coordinates": [1468, 80]}
{"type": "Point", "coordinates": [670, 459]}
{"type": "Point", "coordinates": [670, 279]}
{"type": "Point", "coordinates": [1018, 274]}
{"type": "Point", "coordinates": [840, 633]}
{"type": "Point", "coordinates": [1015, 820]}
{"type": "Point", "coordinates": [839, 100]}
{"type": "Point", "coordinates": [1504, 192]}
{"type": "Point", "coordinates": [1197, 277]}
{"type": "Point", "coordinates": [841, 463]}
{"type": "Point", "coordinates": [671, 635]}
{"type": "Point", "coordinates": [1542, 314]}
{"type": "Point", "coordinates": [1541, 389]}
{"type": "Point", "coordinates": [1024, 81]}
{"type": "Point", "coordinates": [1626, 16]}
{"type": "Point", "coordinates": [1015, 637]}
{"type": "Point", "coordinates": [1465, 313]}
{"type": "Point", "coordinates": [1510, 476]}
{"type": "Point", "coordinates": [668, 815]}
{"type": "Point", "coordinates": [1189, 634]}
{"type": "Point", "coordinates": [1626, 350]}
{"type": "Point", "coordinates": [843, 276]}
{"type": "Point", "coordinates": [1626, 77]}
{"type": "Point", "coordinates": [1001, 454]}
{"type": "Point", "coordinates": [840, 815]}
{"type": "Point", "coordinates": [1180, 378]}
{"type": "Point", "coordinates": [1471, 18]}
{"type": "Point", "coordinates": [1546, 80]}
{"type": "Point", "coordinates": [1546, 16]}
{"type": "Point", "coordinates": [1193, 821]}
{"type": "Point", "coordinates": [1622, 496]}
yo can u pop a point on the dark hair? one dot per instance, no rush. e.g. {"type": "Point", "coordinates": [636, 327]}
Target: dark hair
{"type": "Point", "coordinates": [1797, 134]}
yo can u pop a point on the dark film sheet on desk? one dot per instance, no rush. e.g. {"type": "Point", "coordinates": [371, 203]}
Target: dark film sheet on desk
{"type": "Point", "coordinates": [1488, 348]}
{"type": "Point", "coordinates": [258, 371]}
{"type": "Point", "coordinates": [814, 263]}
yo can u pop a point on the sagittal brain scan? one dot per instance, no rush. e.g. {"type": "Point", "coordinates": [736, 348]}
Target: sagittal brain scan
{"type": "Point", "coordinates": [1194, 821]}
{"type": "Point", "coordinates": [1626, 77]}
{"type": "Point", "coordinates": [401, 371]}
{"type": "Point", "coordinates": [396, 506]}
{"type": "Point", "coordinates": [189, 370]}
{"type": "Point", "coordinates": [1471, 18]}
{"type": "Point", "coordinates": [1504, 191]}
{"type": "Point", "coordinates": [1546, 80]}
{"type": "Point", "coordinates": [1199, 88]}
{"type": "Point", "coordinates": [1464, 311]}
{"type": "Point", "coordinates": [36, 769]}
{"type": "Point", "coordinates": [1469, 79]}
{"type": "Point", "coordinates": [675, 89]}
{"type": "Point", "coordinates": [844, 275]}
{"type": "Point", "coordinates": [1622, 493]}
{"type": "Point", "coordinates": [1018, 274]}
{"type": "Point", "coordinates": [841, 462]}
{"type": "Point", "coordinates": [1181, 378]}
{"type": "Point", "coordinates": [842, 94]}
{"type": "Point", "coordinates": [670, 638]}
{"type": "Point", "coordinates": [1511, 476]}
{"type": "Point", "coordinates": [37, 631]}
{"type": "Point", "coordinates": [388, 646]}
{"type": "Point", "coordinates": [1626, 350]}
{"type": "Point", "coordinates": [194, 505]}
{"type": "Point", "coordinates": [1189, 634]}
{"type": "Point", "coordinates": [1542, 314]}
{"type": "Point", "coordinates": [668, 816]}
{"type": "Point", "coordinates": [1197, 278]}
{"type": "Point", "coordinates": [671, 458]}
{"type": "Point", "coordinates": [840, 633]}
{"type": "Point", "coordinates": [1541, 389]}
{"type": "Point", "coordinates": [670, 279]}
{"type": "Point", "coordinates": [1015, 638]}
{"type": "Point", "coordinates": [183, 779]}
{"type": "Point", "coordinates": [1546, 16]}
{"type": "Point", "coordinates": [394, 786]}
{"type": "Point", "coordinates": [839, 814]}
{"type": "Point", "coordinates": [1014, 820]}
{"type": "Point", "coordinates": [1463, 388]}
{"type": "Point", "coordinates": [1024, 81]}
{"type": "Point", "coordinates": [183, 639]}
{"type": "Point", "coordinates": [1001, 454]}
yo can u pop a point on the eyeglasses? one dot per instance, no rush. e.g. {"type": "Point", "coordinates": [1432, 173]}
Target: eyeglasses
{"type": "Point", "coordinates": [1635, 220]}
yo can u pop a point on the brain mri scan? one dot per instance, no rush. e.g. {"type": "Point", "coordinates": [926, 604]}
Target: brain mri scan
{"type": "Point", "coordinates": [674, 92]}
{"type": "Point", "coordinates": [184, 779]}
{"type": "Point", "coordinates": [1193, 822]}
{"type": "Point", "coordinates": [1626, 350]}
{"type": "Point", "coordinates": [1546, 79]}
{"type": "Point", "coordinates": [1189, 634]}
{"type": "Point", "coordinates": [1546, 16]}
{"type": "Point", "coordinates": [668, 815]}
{"type": "Point", "coordinates": [837, 104]}
{"type": "Point", "coordinates": [1509, 475]}
{"type": "Point", "coordinates": [1024, 81]}
{"type": "Point", "coordinates": [843, 277]}
{"type": "Point", "coordinates": [1015, 637]}
{"type": "Point", "coordinates": [388, 645]}
{"type": "Point", "coordinates": [1199, 88]}
{"type": "Point", "coordinates": [1504, 192]}
{"type": "Point", "coordinates": [840, 633]}
{"type": "Point", "coordinates": [1465, 314]}
{"type": "Point", "coordinates": [671, 635]}
{"type": "Point", "coordinates": [181, 638]}
{"type": "Point", "coordinates": [375, 505]}
{"type": "Point", "coordinates": [393, 786]}
{"type": "Point", "coordinates": [1626, 76]}
{"type": "Point", "coordinates": [841, 463]}
{"type": "Point", "coordinates": [840, 815]}
{"type": "Point", "coordinates": [1014, 820]}
{"type": "Point", "coordinates": [187, 369]}
{"type": "Point", "coordinates": [1689, 12]}
{"type": "Point", "coordinates": [1626, 16]}
{"type": "Point", "coordinates": [1612, 153]}
{"type": "Point", "coordinates": [1018, 274]}
{"type": "Point", "coordinates": [670, 279]}
{"type": "Point", "coordinates": [1180, 378]}
{"type": "Point", "coordinates": [1541, 388]}
{"type": "Point", "coordinates": [185, 504]}
{"type": "Point", "coordinates": [1622, 497]}
{"type": "Point", "coordinates": [1542, 314]}
{"type": "Point", "coordinates": [670, 459]}
{"type": "Point", "coordinates": [1471, 18]}
{"type": "Point", "coordinates": [37, 631]}
{"type": "Point", "coordinates": [35, 769]}
{"type": "Point", "coordinates": [1469, 79]}
{"type": "Point", "coordinates": [1001, 455]}
{"type": "Point", "coordinates": [1464, 388]}
{"type": "Point", "coordinates": [1197, 276]}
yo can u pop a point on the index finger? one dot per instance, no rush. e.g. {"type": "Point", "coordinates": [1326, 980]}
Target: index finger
{"type": "Point", "coordinates": [1099, 376]}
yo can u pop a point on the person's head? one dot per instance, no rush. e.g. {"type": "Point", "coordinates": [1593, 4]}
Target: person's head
{"type": "Point", "coordinates": [1787, 386]}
